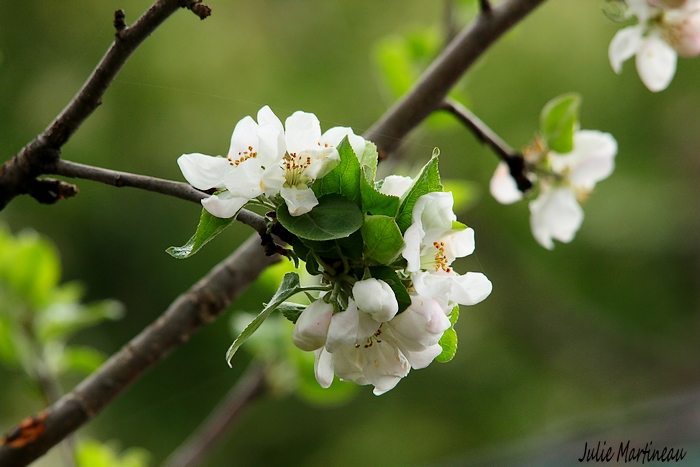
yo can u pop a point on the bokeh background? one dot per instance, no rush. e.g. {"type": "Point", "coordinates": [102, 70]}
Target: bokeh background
{"type": "Point", "coordinates": [570, 343]}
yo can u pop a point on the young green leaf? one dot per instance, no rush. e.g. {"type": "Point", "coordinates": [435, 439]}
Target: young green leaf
{"type": "Point", "coordinates": [383, 239]}
{"type": "Point", "coordinates": [335, 217]}
{"type": "Point", "coordinates": [291, 310]}
{"type": "Point", "coordinates": [209, 227]}
{"type": "Point", "coordinates": [373, 201]}
{"type": "Point", "coordinates": [61, 320]}
{"type": "Point", "coordinates": [427, 181]}
{"type": "Point", "coordinates": [559, 121]}
{"type": "Point", "coordinates": [290, 285]}
{"type": "Point", "coordinates": [370, 158]}
{"type": "Point", "coordinates": [81, 359]}
{"type": "Point", "coordinates": [344, 179]}
{"type": "Point", "coordinates": [448, 341]}
{"type": "Point", "coordinates": [389, 276]}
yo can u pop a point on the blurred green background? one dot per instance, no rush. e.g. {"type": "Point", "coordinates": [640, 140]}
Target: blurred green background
{"type": "Point", "coordinates": [566, 338]}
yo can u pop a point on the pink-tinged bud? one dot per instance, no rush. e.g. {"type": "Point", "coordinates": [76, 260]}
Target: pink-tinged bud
{"type": "Point", "coordinates": [376, 298]}
{"type": "Point", "coordinates": [683, 29]}
{"type": "Point", "coordinates": [311, 328]}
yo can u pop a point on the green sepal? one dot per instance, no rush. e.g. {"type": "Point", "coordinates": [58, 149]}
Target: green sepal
{"type": "Point", "coordinates": [382, 238]}
{"type": "Point", "coordinates": [373, 201]}
{"type": "Point", "coordinates": [209, 227]}
{"type": "Point", "coordinates": [291, 310]}
{"type": "Point", "coordinates": [334, 217]}
{"type": "Point", "coordinates": [559, 120]}
{"type": "Point", "coordinates": [344, 179]}
{"type": "Point", "coordinates": [448, 341]}
{"type": "Point", "coordinates": [427, 181]}
{"type": "Point", "coordinates": [457, 225]}
{"type": "Point", "coordinates": [389, 276]}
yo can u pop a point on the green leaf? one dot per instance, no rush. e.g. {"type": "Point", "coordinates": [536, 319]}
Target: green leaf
{"type": "Point", "coordinates": [81, 359]}
{"type": "Point", "coordinates": [209, 227]}
{"type": "Point", "coordinates": [383, 239]}
{"type": "Point", "coordinates": [457, 225]}
{"type": "Point", "coordinates": [375, 202]}
{"type": "Point", "coordinates": [335, 217]}
{"type": "Point", "coordinates": [344, 179]}
{"type": "Point", "coordinates": [559, 121]}
{"type": "Point", "coordinates": [369, 159]}
{"type": "Point", "coordinates": [448, 341]}
{"type": "Point", "coordinates": [389, 276]}
{"type": "Point", "coordinates": [60, 320]}
{"type": "Point", "coordinates": [289, 286]}
{"type": "Point", "coordinates": [291, 310]}
{"type": "Point", "coordinates": [33, 268]}
{"type": "Point", "coordinates": [427, 181]}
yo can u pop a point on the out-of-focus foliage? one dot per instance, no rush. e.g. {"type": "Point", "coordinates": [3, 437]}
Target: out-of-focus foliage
{"type": "Point", "coordinates": [91, 453]}
{"type": "Point", "coordinates": [566, 336]}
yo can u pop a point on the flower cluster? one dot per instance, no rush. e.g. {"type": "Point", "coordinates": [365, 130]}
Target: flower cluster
{"type": "Point", "coordinates": [381, 251]}
{"type": "Point", "coordinates": [665, 30]}
{"type": "Point", "coordinates": [565, 169]}
{"type": "Point", "coordinates": [266, 159]}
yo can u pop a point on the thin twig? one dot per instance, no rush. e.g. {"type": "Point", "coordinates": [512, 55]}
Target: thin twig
{"type": "Point", "coordinates": [196, 448]}
{"type": "Point", "coordinates": [162, 186]}
{"type": "Point", "coordinates": [432, 87]}
{"type": "Point", "coordinates": [515, 160]}
{"type": "Point", "coordinates": [200, 305]}
{"type": "Point", "coordinates": [43, 152]}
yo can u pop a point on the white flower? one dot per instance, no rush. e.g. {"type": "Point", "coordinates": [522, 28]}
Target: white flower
{"type": "Point", "coordinates": [665, 30]}
{"type": "Point", "coordinates": [376, 298]}
{"type": "Point", "coordinates": [555, 214]}
{"type": "Point", "coordinates": [503, 187]}
{"type": "Point", "coordinates": [252, 145]}
{"type": "Point", "coordinates": [431, 242]}
{"type": "Point", "coordinates": [311, 328]}
{"type": "Point", "coordinates": [309, 155]}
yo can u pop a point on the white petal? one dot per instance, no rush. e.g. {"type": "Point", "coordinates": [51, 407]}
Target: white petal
{"type": "Point", "coordinates": [323, 368]}
{"type": "Point", "coordinates": [336, 134]}
{"type": "Point", "coordinates": [595, 152]}
{"type": "Point", "coordinates": [272, 180]}
{"type": "Point", "coordinates": [245, 180]}
{"type": "Point", "coordinates": [299, 201]}
{"type": "Point", "coordinates": [555, 214]}
{"type": "Point", "coordinates": [411, 252]}
{"type": "Point", "coordinates": [458, 243]}
{"type": "Point", "coordinates": [503, 187]}
{"type": "Point", "coordinates": [421, 324]}
{"type": "Point", "coordinates": [656, 63]}
{"type": "Point", "coordinates": [396, 185]}
{"type": "Point", "coordinates": [322, 161]}
{"type": "Point", "coordinates": [303, 131]}
{"type": "Point", "coordinates": [368, 327]}
{"type": "Point", "coordinates": [224, 204]}
{"type": "Point", "coordinates": [626, 43]}
{"type": "Point", "coordinates": [271, 125]}
{"type": "Point", "coordinates": [202, 171]}
{"type": "Point", "coordinates": [347, 364]}
{"type": "Point", "coordinates": [384, 366]}
{"type": "Point", "coordinates": [432, 285]}
{"type": "Point", "coordinates": [422, 358]}
{"type": "Point", "coordinates": [434, 211]}
{"type": "Point", "coordinates": [311, 327]}
{"type": "Point", "coordinates": [470, 288]}
{"type": "Point", "coordinates": [376, 298]}
{"type": "Point", "coordinates": [245, 135]}
{"type": "Point", "coordinates": [343, 328]}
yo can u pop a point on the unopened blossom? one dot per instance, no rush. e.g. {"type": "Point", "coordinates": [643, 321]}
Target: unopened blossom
{"type": "Point", "coordinates": [396, 185]}
{"type": "Point", "coordinates": [311, 328]}
{"type": "Point", "coordinates": [375, 297]}
{"type": "Point", "coordinates": [556, 213]}
{"type": "Point", "coordinates": [666, 30]}
{"type": "Point", "coordinates": [253, 146]}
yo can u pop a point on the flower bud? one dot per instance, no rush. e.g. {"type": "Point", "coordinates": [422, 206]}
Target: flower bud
{"type": "Point", "coordinates": [311, 327]}
{"type": "Point", "coordinates": [376, 298]}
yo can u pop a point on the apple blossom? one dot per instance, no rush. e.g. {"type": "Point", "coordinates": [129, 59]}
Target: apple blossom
{"type": "Point", "coordinates": [311, 327]}
{"type": "Point", "coordinates": [376, 298]}
{"type": "Point", "coordinates": [665, 31]}
{"type": "Point", "coordinates": [253, 145]}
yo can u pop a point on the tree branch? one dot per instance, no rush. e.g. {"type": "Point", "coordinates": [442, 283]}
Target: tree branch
{"type": "Point", "coordinates": [41, 155]}
{"type": "Point", "coordinates": [428, 93]}
{"type": "Point", "coordinates": [200, 305]}
{"type": "Point", "coordinates": [195, 449]}
{"type": "Point", "coordinates": [515, 161]}
{"type": "Point", "coordinates": [162, 186]}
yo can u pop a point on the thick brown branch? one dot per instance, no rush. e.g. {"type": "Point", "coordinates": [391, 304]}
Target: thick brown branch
{"type": "Point", "coordinates": [42, 153]}
{"type": "Point", "coordinates": [198, 306]}
{"type": "Point", "coordinates": [432, 87]}
{"type": "Point", "coordinates": [196, 448]}
{"type": "Point", "coordinates": [486, 135]}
